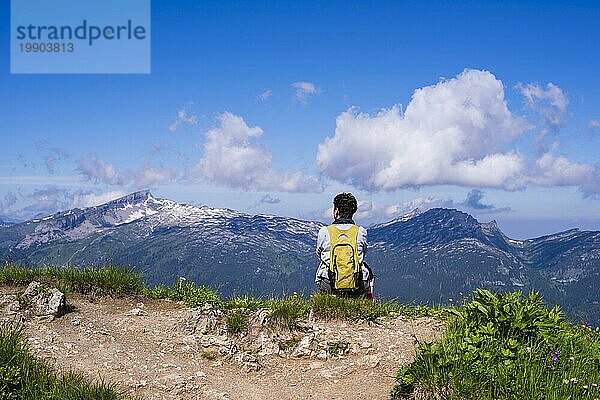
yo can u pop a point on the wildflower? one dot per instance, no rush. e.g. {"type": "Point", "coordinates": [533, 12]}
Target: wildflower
{"type": "Point", "coordinates": [574, 380]}
{"type": "Point", "coordinates": [571, 358]}
{"type": "Point", "coordinates": [594, 385]}
{"type": "Point", "coordinates": [450, 299]}
{"type": "Point", "coordinates": [555, 355]}
{"type": "Point", "coordinates": [528, 349]}
{"type": "Point", "coordinates": [565, 381]}
{"type": "Point", "coordinates": [585, 387]}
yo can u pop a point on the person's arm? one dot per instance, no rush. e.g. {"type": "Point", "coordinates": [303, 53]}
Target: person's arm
{"type": "Point", "coordinates": [321, 238]}
{"type": "Point", "coordinates": [321, 242]}
{"type": "Point", "coordinates": [362, 242]}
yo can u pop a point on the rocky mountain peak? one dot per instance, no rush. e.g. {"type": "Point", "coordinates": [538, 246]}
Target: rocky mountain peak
{"type": "Point", "coordinates": [132, 198]}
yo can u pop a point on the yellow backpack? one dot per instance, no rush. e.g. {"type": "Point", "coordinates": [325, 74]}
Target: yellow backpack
{"type": "Point", "coordinates": [344, 264]}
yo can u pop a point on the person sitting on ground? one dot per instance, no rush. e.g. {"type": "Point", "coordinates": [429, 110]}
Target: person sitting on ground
{"type": "Point", "coordinates": [341, 248]}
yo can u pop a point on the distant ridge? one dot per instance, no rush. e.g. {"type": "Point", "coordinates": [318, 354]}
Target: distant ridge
{"type": "Point", "coordinates": [426, 256]}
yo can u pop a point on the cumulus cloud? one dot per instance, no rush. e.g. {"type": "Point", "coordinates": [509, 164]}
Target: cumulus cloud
{"type": "Point", "coordinates": [594, 124]}
{"type": "Point", "coordinates": [184, 117]}
{"type": "Point", "coordinates": [149, 176]}
{"type": "Point", "coordinates": [304, 90]}
{"type": "Point", "coordinates": [555, 170]}
{"type": "Point", "coordinates": [264, 95]}
{"type": "Point", "coordinates": [456, 132]}
{"type": "Point", "coordinates": [233, 158]}
{"type": "Point", "coordinates": [453, 132]}
{"type": "Point", "coordinates": [99, 171]}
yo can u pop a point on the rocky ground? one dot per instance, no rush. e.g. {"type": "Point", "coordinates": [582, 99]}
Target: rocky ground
{"type": "Point", "coordinates": [156, 349]}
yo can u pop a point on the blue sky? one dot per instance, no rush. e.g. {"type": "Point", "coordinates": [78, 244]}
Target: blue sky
{"type": "Point", "coordinates": [274, 107]}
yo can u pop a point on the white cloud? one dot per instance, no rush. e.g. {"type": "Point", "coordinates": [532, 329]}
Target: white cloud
{"type": "Point", "coordinates": [264, 95]}
{"type": "Point", "coordinates": [560, 171]}
{"type": "Point", "coordinates": [552, 102]}
{"type": "Point", "coordinates": [149, 176]}
{"type": "Point", "coordinates": [453, 132]}
{"type": "Point", "coordinates": [373, 212]}
{"type": "Point", "coordinates": [233, 159]}
{"type": "Point", "coordinates": [594, 124]}
{"type": "Point", "coordinates": [51, 199]}
{"type": "Point", "coordinates": [184, 117]}
{"type": "Point", "coordinates": [304, 90]}
{"type": "Point", "coordinates": [90, 199]}
{"type": "Point", "coordinates": [422, 203]}
{"type": "Point", "coordinates": [99, 171]}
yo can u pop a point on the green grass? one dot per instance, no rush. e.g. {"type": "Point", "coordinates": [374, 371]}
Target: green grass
{"type": "Point", "coordinates": [109, 280]}
{"type": "Point", "coordinates": [288, 311]}
{"type": "Point", "coordinates": [506, 346]}
{"type": "Point", "coordinates": [24, 377]}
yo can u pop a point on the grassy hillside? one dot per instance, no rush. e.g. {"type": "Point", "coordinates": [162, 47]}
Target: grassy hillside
{"type": "Point", "coordinates": [496, 346]}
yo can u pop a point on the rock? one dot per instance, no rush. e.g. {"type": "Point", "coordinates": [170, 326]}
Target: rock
{"type": "Point", "coordinates": [304, 347]}
{"type": "Point", "coordinates": [45, 303]}
{"type": "Point", "coordinates": [261, 317]}
{"type": "Point", "coordinates": [202, 320]}
{"type": "Point", "coordinates": [10, 309]}
{"type": "Point", "coordinates": [137, 311]}
{"type": "Point", "coordinates": [370, 360]}
{"type": "Point", "coordinates": [247, 361]}
{"type": "Point", "coordinates": [56, 304]}
{"type": "Point", "coordinates": [33, 289]}
{"type": "Point", "coordinates": [333, 372]}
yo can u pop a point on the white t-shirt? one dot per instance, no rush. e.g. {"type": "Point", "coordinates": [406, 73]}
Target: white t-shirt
{"type": "Point", "coordinates": [324, 247]}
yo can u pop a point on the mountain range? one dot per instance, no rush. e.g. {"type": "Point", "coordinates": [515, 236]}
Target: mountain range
{"type": "Point", "coordinates": [430, 256]}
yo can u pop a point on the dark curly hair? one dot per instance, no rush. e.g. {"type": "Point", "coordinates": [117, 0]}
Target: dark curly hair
{"type": "Point", "coordinates": [346, 204]}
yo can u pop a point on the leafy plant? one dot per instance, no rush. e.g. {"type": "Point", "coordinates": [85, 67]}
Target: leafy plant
{"type": "Point", "coordinates": [237, 321]}
{"type": "Point", "coordinates": [505, 346]}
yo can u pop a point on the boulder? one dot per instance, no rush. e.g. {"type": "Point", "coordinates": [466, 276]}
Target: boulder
{"type": "Point", "coordinates": [44, 302]}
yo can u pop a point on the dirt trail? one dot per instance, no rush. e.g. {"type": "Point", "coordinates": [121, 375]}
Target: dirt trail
{"type": "Point", "coordinates": [146, 350]}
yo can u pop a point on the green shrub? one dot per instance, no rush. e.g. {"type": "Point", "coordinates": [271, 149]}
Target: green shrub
{"type": "Point", "coordinates": [506, 346]}
{"type": "Point", "coordinates": [187, 292]}
{"type": "Point", "coordinates": [288, 311]}
{"type": "Point", "coordinates": [237, 321]}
